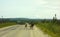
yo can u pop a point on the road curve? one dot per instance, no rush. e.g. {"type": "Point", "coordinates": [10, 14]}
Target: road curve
{"type": "Point", "coordinates": [21, 31]}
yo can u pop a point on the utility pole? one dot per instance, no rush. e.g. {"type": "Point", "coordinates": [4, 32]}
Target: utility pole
{"type": "Point", "coordinates": [2, 19]}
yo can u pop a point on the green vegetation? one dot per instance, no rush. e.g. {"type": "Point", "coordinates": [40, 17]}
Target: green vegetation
{"type": "Point", "coordinates": [51, 29]}
{"type": "Point", "coordinates": [7, 24]}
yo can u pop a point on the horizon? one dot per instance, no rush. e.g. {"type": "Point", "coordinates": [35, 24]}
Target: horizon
{"type": "Point", "coordinates": [27, 18]}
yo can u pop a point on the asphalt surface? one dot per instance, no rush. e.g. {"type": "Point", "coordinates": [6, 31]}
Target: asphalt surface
{"type": "Point", "coordinates": [21, 31]}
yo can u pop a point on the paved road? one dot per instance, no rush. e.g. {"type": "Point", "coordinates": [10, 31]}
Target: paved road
{"type": "Point", "coordinates": [21, 31]}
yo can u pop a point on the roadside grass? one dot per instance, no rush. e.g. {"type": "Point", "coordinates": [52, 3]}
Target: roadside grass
{"type": "Point", "coordinates": [50, 29]}
{"type": "Point", "coordinates": [7, 24]}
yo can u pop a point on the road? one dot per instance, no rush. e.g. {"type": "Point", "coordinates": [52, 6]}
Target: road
{"type": "Point", "coordinates": [21, 31]}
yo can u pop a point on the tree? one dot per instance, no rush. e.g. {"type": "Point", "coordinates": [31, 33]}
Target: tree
{"type": "Point", "coordinates": [54, 19]}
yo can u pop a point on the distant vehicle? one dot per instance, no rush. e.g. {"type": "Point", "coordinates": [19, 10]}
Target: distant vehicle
{"type": "Point", "coordinates": [20, 22]}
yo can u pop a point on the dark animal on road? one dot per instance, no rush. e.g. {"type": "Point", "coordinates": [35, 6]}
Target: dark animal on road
{"type": "Point", "coordinates": [25, 25]}
{"type": "Point", "coordinates": [31, 26]}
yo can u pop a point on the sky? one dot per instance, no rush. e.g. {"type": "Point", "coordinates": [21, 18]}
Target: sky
{"type": "Point", "coordinates": [41, 9]}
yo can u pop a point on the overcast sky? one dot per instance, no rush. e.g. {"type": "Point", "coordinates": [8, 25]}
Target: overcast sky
{"type": "Point", "coordinates": [30, 8]}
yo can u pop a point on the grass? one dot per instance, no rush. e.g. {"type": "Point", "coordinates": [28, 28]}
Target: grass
{"type": "Point", "coordinates": [50, 28]}
{"type": "Point", "coordinates": [7, 24]}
